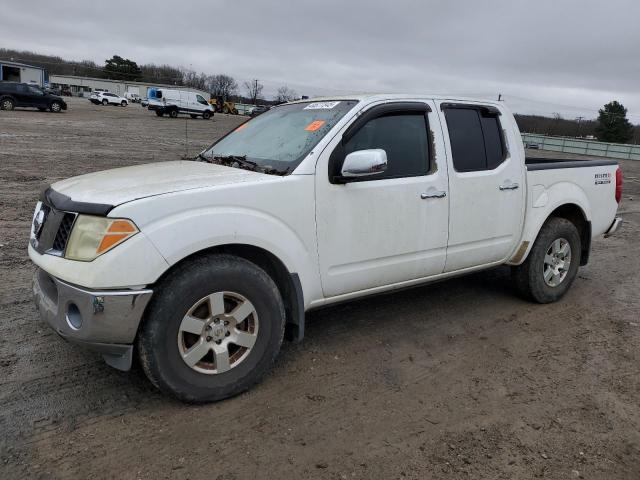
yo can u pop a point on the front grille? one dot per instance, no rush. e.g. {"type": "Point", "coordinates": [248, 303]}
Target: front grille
{"type": "Point", "coordinates": [64, 231]}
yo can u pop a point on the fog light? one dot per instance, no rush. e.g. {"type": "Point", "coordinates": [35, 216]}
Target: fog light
{"type": "Point", "coordinates": [74, 318]}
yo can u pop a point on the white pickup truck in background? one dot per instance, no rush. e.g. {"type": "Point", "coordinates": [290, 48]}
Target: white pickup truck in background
{"type": "Point", "coordinates": [201, 266]}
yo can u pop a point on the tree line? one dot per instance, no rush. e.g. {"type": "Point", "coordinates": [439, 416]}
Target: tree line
{"type": "Point", "coordinates": [119, 68]}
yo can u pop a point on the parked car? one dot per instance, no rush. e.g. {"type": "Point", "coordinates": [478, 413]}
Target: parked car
{"type": "Point", "coordinates": [172, 102]}
{"type": "Point", "coordinates": [260, 109]}
{"type": "Point", "coordinates": [132, 97]}
{"type": "Point", "coordinates": [144, 102]}
{"type": "Point", "coordinates": [532, 145]}
{"type": "Point", "coordinates": [201, 267]}
{"type": "Point", "coordinates": [107, 98]}
{"type": "Point", "coordinates": [14, 94]}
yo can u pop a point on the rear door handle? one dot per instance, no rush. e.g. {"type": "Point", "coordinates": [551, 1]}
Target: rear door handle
{"type": "Point", "coordinates": [509, 186]}
{"type": "Point", "coordinates": [440, 194]}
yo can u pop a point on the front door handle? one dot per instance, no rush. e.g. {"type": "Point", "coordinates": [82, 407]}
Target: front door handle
{"type": "Point", "coordinates": [509, 186]}
{"type": "Point", "coordinates": [440, 194]}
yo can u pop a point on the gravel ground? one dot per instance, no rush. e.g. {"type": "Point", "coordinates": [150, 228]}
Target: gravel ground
{"type": "Point", "coordinates": [470, 382]}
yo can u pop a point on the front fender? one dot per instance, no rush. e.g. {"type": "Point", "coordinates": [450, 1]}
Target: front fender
{"type": "Point", "coordinates": [182, 234]}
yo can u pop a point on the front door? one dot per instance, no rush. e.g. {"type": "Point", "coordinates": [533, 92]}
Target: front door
{"type": "Point", "coordinates": [487, 185]}
{"type": "Point", "coordinates": [390, 227]}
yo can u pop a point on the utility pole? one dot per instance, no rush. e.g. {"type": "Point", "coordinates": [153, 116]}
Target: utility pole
{"type": "Point", "coordinates": [579, 119]}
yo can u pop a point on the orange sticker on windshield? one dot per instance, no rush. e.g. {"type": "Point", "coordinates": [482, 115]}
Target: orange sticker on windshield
{"type": "Point", "coordinates": [313, 126]}
{"type": "Point", "coordinates": [241, 127]}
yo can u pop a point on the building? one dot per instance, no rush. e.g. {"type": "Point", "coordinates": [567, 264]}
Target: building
{"type": "Point", "coordinates": [19, 72]}
{"type": "Point", "coordinates": [83, 86]}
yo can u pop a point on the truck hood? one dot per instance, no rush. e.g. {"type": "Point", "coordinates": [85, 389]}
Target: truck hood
{"type": "Point", "coordinates": [121, 185]}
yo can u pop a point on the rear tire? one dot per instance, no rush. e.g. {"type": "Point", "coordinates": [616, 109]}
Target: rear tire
{"type": "Point", "coordinates": [173, 113]}
{"type": "Point", "coordinates": [552, 264]}
{"type": "Point", "coordinates": [186, 312]}
{"type": "Point", "coordinates": [105, 102]}
{"type": "Point", "coordinates": [123, 104]}
{"type": "Point", "coordinates": [7, 104]}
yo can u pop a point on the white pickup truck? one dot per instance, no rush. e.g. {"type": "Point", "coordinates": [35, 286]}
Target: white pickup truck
{"type": "Point", "coordinates": [201, 267]}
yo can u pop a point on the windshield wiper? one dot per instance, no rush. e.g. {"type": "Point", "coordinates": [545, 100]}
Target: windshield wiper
{"type": "Point", "coordinates": [240, 161]}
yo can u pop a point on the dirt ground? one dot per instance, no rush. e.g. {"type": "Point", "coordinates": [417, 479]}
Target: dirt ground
{"type": "Point", "coordinates": [461, 379]}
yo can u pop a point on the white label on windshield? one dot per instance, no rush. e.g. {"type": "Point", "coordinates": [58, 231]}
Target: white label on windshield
{"type": "Point", "coordinates": [321, 106]}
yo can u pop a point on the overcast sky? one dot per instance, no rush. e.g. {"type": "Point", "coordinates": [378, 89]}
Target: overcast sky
{"type": "Point", "coordinates": [544, 56]}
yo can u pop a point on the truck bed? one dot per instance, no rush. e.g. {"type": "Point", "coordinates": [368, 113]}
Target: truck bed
{"type": "Point", "coordinates": [547, 163]}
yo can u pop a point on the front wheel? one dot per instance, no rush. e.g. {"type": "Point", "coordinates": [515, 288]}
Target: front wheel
{"type": "Point", "coordinates": [105, 102]}
{"type": "Point", "coordinates": [123, 103]}
{"type": "Point", "coordinates": [552, 264]}
{"type": "Point", "coordinates": [55, 107]}
{"type": "Point", "coordinates": [206, 114]}
{"type": "Point", "coordinates": [212, 330]}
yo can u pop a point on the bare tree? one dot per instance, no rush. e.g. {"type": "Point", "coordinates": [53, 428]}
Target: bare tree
{"type": "Point", "coordinates": [195, 80]}
{"type": "Point", "coordinates": [222, 86]}
{"type": "Point", "coordinates": [285, 94]}
{"type": "Point", "coordinates": [254, 89]}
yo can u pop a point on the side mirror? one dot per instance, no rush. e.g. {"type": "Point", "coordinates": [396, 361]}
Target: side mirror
{"type": "Point", "coordinates": [364, 163]}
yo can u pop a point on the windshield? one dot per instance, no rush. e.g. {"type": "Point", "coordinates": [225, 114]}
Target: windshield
{"type": "Point", "coordinates": [280, 138]}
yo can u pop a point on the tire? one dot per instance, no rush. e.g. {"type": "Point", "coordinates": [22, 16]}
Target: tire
{"type": "Point", "coordinates": [194, 116]}
{"type": "Point", "coordinates": [55, 107]}
{"type": "Point", "coordinates": [105, 102]}
{"type": "Point", "coordinates": [123, 103]}
{"type": "Point", "coordinates": [225, 110]}
{"type": "Point", "coordinates": [163, 341]}
{"type": "Point", "coordinates": [173, 113]}
{"type": "Point", "coordinates": [7, 104]}
{"type": "Point", "coordinates": [206, 114]}
{"type": "Point", "coordinates": [159, 113]}
{"type": "Point", "coordinates": [538, 278]}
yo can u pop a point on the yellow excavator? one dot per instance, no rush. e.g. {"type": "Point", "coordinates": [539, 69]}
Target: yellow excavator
{"type": "Point", "coordinates": [223, 106]}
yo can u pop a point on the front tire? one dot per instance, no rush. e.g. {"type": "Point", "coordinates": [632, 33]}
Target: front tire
{"type": "Point", "coordinates": [105, 102]}
{"type": "Point", "coordinates": [123, 103]}
{"type": "Point", "coordinates": [213, 329]}
{"type": "Point", "coordinates": [552, 264]}
{"type": "Point", "coordinates": [55, 107]}
{"type": "Point", "coordinates": [206, 114]}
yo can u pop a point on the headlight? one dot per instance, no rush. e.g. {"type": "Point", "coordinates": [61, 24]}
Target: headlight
{"type": "Point", "coordinates": [92, 236]}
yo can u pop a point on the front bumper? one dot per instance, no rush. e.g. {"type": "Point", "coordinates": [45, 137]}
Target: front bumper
{"type": "Point", "coordinates": [104, 321]}
{"type": "Point", "coordinates": [615, 225]}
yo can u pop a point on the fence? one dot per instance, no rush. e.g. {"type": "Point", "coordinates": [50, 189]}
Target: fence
{"type": "Point", "coordinates": [582, 147]}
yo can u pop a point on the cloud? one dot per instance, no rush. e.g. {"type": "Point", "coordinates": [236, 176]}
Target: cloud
{"type": "Point", "coordinates": [545, 56]}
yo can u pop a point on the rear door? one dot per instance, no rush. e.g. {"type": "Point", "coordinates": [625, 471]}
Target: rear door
{"type": "Point", "coordinates": [486, 183]}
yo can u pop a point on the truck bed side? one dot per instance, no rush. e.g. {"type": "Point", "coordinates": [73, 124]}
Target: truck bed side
{"type": "Point", "coordinates": [586, 187]}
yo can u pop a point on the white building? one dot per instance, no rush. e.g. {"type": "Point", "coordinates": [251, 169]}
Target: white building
{"type": "Point", "coordinates": [84, 85]}
{"type": "Point", "coordinates": [19, 72]}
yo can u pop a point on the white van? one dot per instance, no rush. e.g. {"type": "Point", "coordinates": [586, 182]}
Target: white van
{"type": "Point", "coordinates": [173, 102]}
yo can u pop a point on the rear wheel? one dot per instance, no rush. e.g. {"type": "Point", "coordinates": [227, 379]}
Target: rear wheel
{"type": "Point", "coordinates": [7, 104]}
{"type": "Point", "coordinates": [552, 264]}
{"type": "Point", "coordinates": [123, 103]}
{"type": "Point", "coordinates": [173, 113]}
{"type": "Point", "coordinates": [105, 102]}
{"type": "Point", "coordinates": [55, 107]}
{"type": "Point", "coordinates": [206, 114]}
{"type": "Point", "coordinates": [213, 329]}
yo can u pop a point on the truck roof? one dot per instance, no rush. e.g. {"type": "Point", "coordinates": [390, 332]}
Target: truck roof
{"type": "Point", "coordinates": [374, 97]}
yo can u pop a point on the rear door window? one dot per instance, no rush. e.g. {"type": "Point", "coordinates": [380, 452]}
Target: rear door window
{"type": "Point", "coordinates": [476, 138]}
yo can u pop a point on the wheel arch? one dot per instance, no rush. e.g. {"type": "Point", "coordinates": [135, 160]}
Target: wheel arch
{"type": "Point", "coordinates": [288, 283]}
{"type": "Point", "coordinates": [574, 213]}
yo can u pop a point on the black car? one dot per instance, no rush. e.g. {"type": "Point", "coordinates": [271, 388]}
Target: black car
{"type": "Point", "coordinates": [13, 94]}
